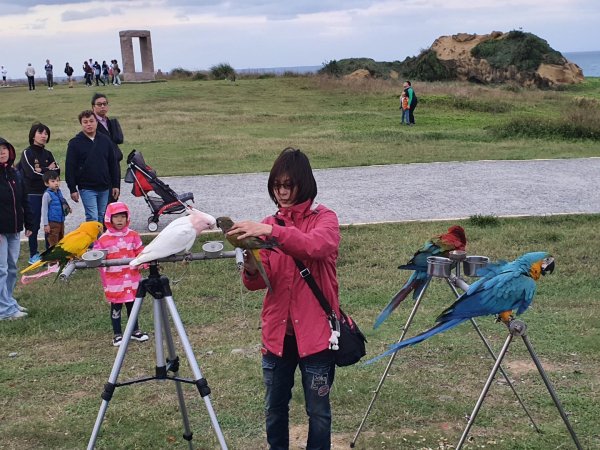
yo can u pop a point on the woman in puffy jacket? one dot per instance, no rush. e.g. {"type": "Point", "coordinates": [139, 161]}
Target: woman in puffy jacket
{"type": "Point", "coordinates": [14, 212]}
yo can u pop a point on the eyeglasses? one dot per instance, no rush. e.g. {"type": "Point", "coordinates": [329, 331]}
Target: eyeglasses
{"type": "Point", "coordinates": [101, 104]}
{"type": "Point", "coordinates": [288, 186]}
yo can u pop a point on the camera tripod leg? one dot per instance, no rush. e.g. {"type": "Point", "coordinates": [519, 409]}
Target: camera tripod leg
{"type": "Point", "coordinates": [502, 371]}
{"type": "Point", "coordinates": [109, 387]}
{"type": "Point", "coordinates": [391, 361]}
{"type": "Point", "coordinates": [161, 313]}
{"type": "Point", "coordinates": [201, 383]}
{"type": "Point", "coordinates": [551, 390]}
{"type": "Point", "coordinates": [486, 388]}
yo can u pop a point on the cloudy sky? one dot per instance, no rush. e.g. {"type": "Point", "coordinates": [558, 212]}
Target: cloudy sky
{"type": "Point", "coordinates": [274, 33]}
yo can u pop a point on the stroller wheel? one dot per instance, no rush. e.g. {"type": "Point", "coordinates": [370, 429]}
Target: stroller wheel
{"type": "Point", "coordinates": [152, 226]}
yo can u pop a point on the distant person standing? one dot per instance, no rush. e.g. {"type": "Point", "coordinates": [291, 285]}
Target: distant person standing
{"type": "Point", "coordinates": [105, 72]}
{"type": "Point", "coordinates": [49, 74]}
{"type": "Point", "coordinates": [91, 168]}
{"type": "Point", "coordinates": [30, 74]}
{"type": "Point", "coordinates": [88, 73]}
{"type": "Point", "coordinates": [4, 72]}
{"type": "Point", "coordinates": [69, 73]}
{"type": "Point", "coordinates": [404, 108]}
{"type": "Point", "coordinates": [109, 126]}
{"type": "Point", "coordinates": [98, 74]}
{"type": "Point", "coordinates": [116, 73]}
{"type": "Point", "coordinates": [412, 101]}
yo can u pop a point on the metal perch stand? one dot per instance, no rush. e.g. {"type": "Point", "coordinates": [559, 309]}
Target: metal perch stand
{"type": "Point", "coordinates": [163, 306]}
{"type": "Point", "coordinates": [442, 268]}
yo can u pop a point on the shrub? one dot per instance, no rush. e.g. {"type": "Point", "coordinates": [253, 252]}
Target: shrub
{"type": "Point", "coordinates": [180, 73]}
{"type": "Point", "coordinates": [332, 68]}
{"type": "Point", "coordinates": [482, 221]}
{"type": "Point", "coordinates": [223, 71]}
{"type": "Point", "coordinates": [428, 67]}
{"type": "Point", "coordinates": [200, 76]}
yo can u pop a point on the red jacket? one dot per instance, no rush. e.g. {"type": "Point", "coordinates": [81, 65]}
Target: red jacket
{"type": "Point", "coordinates": [311, 234]}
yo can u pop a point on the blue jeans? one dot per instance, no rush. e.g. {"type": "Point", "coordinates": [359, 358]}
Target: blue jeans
{"type": "Point", "coordinates": [10, 247]}
{"type": "Point", "coordinates": [317, 372]}
{"type": "Point", "coordinates": [94, 204]}
{"type": "Point", "coordinates": [35, 204]}
{"type": "Point", "coordinates": [406, 116]}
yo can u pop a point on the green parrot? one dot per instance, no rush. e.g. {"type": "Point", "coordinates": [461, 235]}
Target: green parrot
{"type": "Point", "coordinates": [252, 245]}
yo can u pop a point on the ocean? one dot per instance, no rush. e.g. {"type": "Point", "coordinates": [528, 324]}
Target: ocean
{"type": "Point", "coordinates": [588, 61]}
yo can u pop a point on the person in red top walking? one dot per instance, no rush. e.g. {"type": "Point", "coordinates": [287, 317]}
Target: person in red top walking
{"type": "Point", "coordinates": [295, 328]}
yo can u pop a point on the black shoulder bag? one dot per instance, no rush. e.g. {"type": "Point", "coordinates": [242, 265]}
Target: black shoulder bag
{"type": "Point", "coordinates": [350, 345]}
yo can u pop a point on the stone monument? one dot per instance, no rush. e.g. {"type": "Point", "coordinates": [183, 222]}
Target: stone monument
{"type": "Point", "coordinates": [147, 73]}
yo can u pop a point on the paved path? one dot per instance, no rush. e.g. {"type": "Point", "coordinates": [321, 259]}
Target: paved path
{"type": "Point", "coordinates": [401, 192]}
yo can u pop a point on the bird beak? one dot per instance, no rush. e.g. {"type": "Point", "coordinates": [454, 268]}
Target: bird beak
{"type": "Point", "coordinates": [547, 265]}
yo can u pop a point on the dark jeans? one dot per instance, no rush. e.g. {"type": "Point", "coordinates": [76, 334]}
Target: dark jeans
{"type": "Point", "coordinates": [318, 372]}
{"type": "Point", "coordinates": [35, 204]}
{"type": "Point", "coordinates": [31, 81]}
{"type": "Point", "coordinates": [115, 316]}
{"type": "Point", "coordinates": [411, 114]}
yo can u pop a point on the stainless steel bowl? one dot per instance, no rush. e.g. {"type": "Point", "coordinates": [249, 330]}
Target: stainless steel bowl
{"type": "Point", "coordinates": [93, 258]}
{"type": "Point", "coordinates": [473, 263]}
{"type": "Point", "coordinates": [212, 249]}
{"type": "Point", "coordinates": [438, 266]}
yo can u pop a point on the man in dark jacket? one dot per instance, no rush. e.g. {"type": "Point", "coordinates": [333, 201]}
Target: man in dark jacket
{"type": "Point", "coordinates": [14, 212]}
{"type": "Point", "coordinates": [110, 127]}
{"type": "Point", "coordinates": [92, 171]}
{"type": "Point", "coordinates": [35, 161]}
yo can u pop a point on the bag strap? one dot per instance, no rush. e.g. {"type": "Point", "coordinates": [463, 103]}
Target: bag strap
{"type": "Point", "coordinates": [310, 280]}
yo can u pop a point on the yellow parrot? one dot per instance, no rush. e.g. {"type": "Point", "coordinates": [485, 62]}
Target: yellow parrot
{"type": "Point", "coordinates": [72, 246]}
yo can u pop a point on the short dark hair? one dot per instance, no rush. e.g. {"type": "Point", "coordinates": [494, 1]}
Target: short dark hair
{"type": "Point", "coordinates": [86, 113]}
{"type": "Point", "coordinates": [96, 96]}
{"type": "Point", "coordinates": [294, 164]}
{"type": "Point", "coordinates": [50, 175]}
{"type": "Point", "coordinates": [408, 82]}
{"type": "Point", "coordinates": [38, 126]}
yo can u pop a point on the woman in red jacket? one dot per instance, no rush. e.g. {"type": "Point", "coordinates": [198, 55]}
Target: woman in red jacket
{"type": "Point", "coordinates": [295, 328]}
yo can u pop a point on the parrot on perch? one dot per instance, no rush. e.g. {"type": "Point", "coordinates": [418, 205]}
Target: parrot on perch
{"type": "Point", "coordinates": [177, 237]}
{"type": "Point", "coordinates": [440, 245]}
{"type": "Point", "coordinates": [252, 245]}
{"type": "Point", "coordinates": [502, 288]}
{"type": "Point", "coordinates": [71, 246]}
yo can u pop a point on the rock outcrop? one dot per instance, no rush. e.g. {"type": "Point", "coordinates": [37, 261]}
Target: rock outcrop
{"type": "Point", "coordinates": [455, 53]}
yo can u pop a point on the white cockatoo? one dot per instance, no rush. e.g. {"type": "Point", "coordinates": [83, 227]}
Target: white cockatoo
{"type": "Point", "coordinates": [177, 237]}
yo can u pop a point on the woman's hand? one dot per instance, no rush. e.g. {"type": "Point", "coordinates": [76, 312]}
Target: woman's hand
{"type": "Point", "coordinates": [248, 228]}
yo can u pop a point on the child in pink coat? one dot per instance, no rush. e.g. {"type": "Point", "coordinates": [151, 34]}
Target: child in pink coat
{"type": "Point", "coordinates": [120, 283]}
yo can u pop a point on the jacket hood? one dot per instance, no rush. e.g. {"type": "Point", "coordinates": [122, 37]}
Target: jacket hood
{"type": "Point", "coordinates": [116, 208]}
{"type": "Point", "coordinates": [11, 151]}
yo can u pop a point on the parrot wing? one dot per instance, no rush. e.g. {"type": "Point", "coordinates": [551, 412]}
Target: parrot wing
{"type": "Point", "coordinates": [179, 236]}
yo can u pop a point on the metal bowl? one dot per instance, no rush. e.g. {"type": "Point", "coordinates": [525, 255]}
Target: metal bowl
{"type": "Point", "coordinates": [212, 249]}
{"type": "Point", "coordinates": [457, 255]}
{"type": "Point", "coordinates": [473, 263]}
{"type": "Point", "coordinates": [438, 266]}
{"type": "Point", "coordinates": [93, 258]}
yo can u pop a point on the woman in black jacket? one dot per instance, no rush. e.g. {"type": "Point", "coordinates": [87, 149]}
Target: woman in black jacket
{"type": "Point", "coordinates": [35, 161]}
{"type": "Point", "coordinates": [14, 212]}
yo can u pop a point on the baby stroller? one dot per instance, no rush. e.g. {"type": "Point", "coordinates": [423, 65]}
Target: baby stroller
{"type": "Point", "coordinates": [144, 179]}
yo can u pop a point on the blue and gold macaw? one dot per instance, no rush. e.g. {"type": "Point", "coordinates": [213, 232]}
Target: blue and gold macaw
{"type": "Point", "coordinates": [502, 288]}
{"type": "Point", "coordinates": [440, 245]}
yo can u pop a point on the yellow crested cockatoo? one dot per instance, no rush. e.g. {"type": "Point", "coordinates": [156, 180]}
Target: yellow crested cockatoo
{"type": "Point", "coordinates": [177, 237]}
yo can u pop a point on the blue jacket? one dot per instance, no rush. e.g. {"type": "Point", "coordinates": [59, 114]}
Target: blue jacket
{"type": "Point", "coordinates": [55, 208]}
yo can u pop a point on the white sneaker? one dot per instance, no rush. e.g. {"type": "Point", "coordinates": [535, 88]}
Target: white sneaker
{"type": "Point", "coordinates": [17, 315]}
{"type": "Point", "coordinates": [22, 308]}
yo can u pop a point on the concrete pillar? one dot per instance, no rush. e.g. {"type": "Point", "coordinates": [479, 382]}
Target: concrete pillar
{"type": "Point", "coordinates": [147, 58]}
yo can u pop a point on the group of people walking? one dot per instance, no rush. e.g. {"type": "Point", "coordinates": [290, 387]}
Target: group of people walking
{"type": "Point", "coordinates": [105, 74]}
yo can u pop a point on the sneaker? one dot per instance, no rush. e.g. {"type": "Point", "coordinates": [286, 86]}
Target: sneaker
{"type": "Point", "coordinates": [139, 336]}
{"type": "Point", "coordinates": [17, 315]}
{"type": "Point", "coordinates": [35, 258]}
{"type": "Point", "coordinates": [22, 308]}
{"type": "Point", "coordinates": [117, 340]}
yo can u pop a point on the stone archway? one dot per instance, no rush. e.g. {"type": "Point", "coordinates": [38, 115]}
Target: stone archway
{"type": "Point", "coordinates": [147, 73]}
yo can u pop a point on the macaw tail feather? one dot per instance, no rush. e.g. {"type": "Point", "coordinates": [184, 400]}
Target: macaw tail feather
{"type": "Point", "coordinates": [396, 300]}
{"type": "Point", "coordinates": [439, 328]}
{"type": "Point", "coordinates": [256, 254]}
{"type": "Point", "coordinates": [410, 267]}
{"type": "Point", "coordinates": [33, 266]}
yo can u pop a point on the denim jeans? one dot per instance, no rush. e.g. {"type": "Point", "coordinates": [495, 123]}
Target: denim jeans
{"type": "Point", "coordinates": [10, 247]}
{"type": "Point", "coordinates": [35, 204]}
{"type": "Point", "coordinates": [317, 372]}
{"type": "Point", "coordinates": [94, 204]}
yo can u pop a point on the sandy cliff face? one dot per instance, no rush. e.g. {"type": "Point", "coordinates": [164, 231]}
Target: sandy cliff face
{"type": "Point", "coordinates": [455, 51]}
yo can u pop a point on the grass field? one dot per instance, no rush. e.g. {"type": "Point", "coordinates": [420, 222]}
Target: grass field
{"type": "Point", "coordinates": [53, 365]}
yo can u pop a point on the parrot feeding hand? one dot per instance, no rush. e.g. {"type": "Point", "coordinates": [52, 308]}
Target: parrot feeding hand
{"type": "Point", "coordinates": [440, 245]}
{"type": "Point", "coordinates": [252, 245]}
{"type": "Point", "coordinates": [503, 287]}
{"type": "Point", "coordinates": [72, 246]}
{"type": "Point", "coordinates": [177, 237]}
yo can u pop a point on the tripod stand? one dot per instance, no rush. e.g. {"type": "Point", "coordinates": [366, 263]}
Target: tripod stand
{"type": "Point", "coordinates": [453, 281]}
{"type": "Point", "coordinates": [163, 304]}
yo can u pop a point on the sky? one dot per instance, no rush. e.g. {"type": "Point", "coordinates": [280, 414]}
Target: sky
{"type": "Point", "coordinates": [198, 34]}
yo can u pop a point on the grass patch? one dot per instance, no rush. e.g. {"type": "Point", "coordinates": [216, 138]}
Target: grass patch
{"type": "Point", "coordinates": [64, 353]}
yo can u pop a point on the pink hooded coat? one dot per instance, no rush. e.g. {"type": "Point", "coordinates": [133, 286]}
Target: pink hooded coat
{"type": "Point", "coordinates": [120, 283]}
